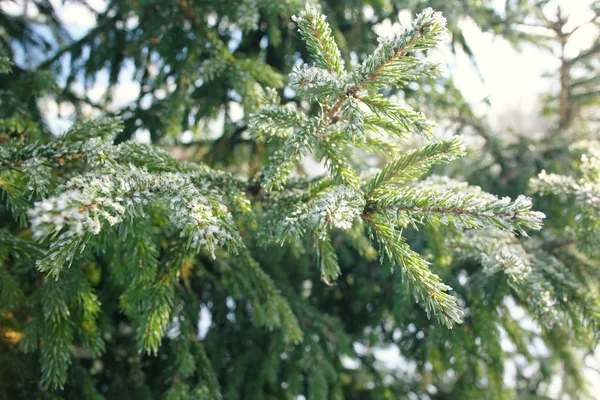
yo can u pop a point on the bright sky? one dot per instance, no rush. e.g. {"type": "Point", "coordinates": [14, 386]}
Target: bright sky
{"type": "Point", "coordinates": [514, 80]}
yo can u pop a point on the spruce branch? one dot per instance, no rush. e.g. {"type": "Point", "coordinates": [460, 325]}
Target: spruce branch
{"type": "Point", "coordinates": [319, 40]}
{"type": "Point", "coordinates": [381, 147]}
{"type": "Point", "coordinates": [410, 166]}
{"type": "Point", "coordinates": [497, 250]}
{"type": "Point", "coordinates": [336, 162]}
{"type": "Point", "coordinates": [156, 312]}
{"type": "Point", "coordinates": [67, 308]}
{"type": "Point", "coordinates": [139, 227]}
{"type": "Point", "coordinates": [586, 193]}
{"type": "Point", "coordinates": [71, 145]}
{"type": "Point", "coordinates": [313, 83]}
{"type": "Point", "coordinates": [283, 162]}
{"type": "Point", "coordinates": [554, 184]}
{"type": "Point", "coordinates": [404, 118]}
{"type": "Point", "coordinates": [530, 271]}
{"type": "Point", "coordinates": [270, 309]}
{"type": "Point", "coordinates": [327, 259]}
{"type": "Point", "coordinates": [336, 207]}
{"type": "Point", "coordinates": [352, 121]}
{"type": "Point", "coordinates": [350, 109]}
{"type": "Point", "coordinates": [93, 202]}
{"type": "Point", "coordinates": [463, 210]}
{"type": "Point", "coordinates": [385, 126]}
{"type": "Point", "coordinates": [428, 287]}
{"type": "Point", "coordinates": [389, 62]}
{"type": "Point", "coordinates": [277, 121]}
{"type": "Point", "coordinates": [56, 353]}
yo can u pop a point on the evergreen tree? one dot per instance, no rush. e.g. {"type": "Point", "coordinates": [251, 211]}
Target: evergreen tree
{"type": "Point", "coordinates": [559, 162]}
{"type": "Point", "coordinates": [113, 252]}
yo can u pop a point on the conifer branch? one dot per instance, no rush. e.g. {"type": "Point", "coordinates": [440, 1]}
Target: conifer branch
{"type": "Point", "coordinates": [319, 39]}
{"type": "Point", "coordinates": [271, 310]}
{"type": "Point", "coordinates": [277, 121]}
{"type": "Point", "coordinates": [93, 202]}
{"type": "Point", "coordinates": [463, 210]}
{"type": "Point", "coordinates": [313, 83]}
{"type": "Point", "coordinates": [323, 83]}
{"type": "Point", "coordinates": [532, 274]}
{"type": "Point", "coordinates": [388, 62]}
{"type": "Point", "coordinates": [284, 161]}
{"type": "Point", "coordinates": [586, 193]}
{"type": "Point", "coordinates": [497, 250]}
{"type": "Point", "coordinates": [428, 287]}
{"type": "Point", "coordinates": [336, 163]}
{"type": "Point", "coordinates": [335, 207]}
{"type": "Point", "coordinates": [327, 259]}
{"type": "Point", "coordinates": [405, 119]}
{"type": "Point", "coordinates": [415, 163]}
